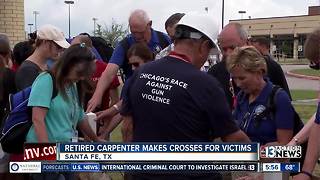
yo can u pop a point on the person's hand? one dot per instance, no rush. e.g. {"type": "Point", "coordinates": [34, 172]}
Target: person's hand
{"type": "Point", "coordinates": [253, 176]}
{"type": "Point", "coordinates": [245, 178]}
{"type": "Point", "coordinates": [94, 102]}
{"type": "Point", "coordinates": [292, 143]}
{"type": "Point", "coordinates": [301, 176]}
{"type": "Point", "coordinates": [127, 131]}
{"type": "Point", "coordinates": [101, 140]}
{"type": "Point", "coordinates": [103, 133]}
{"type": "Point", "coordinates": [103, 115]}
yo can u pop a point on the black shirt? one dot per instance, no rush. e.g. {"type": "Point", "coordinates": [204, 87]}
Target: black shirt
{"type": "Point", "coordinates": [274, 73]}
{"type": "Point", "coordinates": [8, 87]}
{"type": "Point", "coordinates": [172, 101]}
{"type": "Point", "coordinates": [26, 74]}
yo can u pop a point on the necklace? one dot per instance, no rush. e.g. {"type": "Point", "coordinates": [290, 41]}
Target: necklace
{"type": "Point", "coordinates": [74, 103]}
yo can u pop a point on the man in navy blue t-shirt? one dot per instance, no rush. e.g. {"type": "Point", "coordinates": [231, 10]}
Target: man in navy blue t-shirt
{"type": "Point", "coordinates": [171, 100]}
{"type": "Point", "coordinates": [141, 31]}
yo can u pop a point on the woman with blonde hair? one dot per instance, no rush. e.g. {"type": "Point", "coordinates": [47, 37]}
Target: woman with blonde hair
{"type": "Point", "coordinates": [253, 114]}
{"type": "Point", "coordinates": [248, 70]}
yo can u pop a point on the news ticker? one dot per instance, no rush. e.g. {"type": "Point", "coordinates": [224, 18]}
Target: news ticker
{"type": "Point", "coordinates": [118, 152]}
{"type": "Point", "coordinates": [41, 167]}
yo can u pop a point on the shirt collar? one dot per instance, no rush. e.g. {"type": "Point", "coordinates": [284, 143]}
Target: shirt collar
{"type": "Point", "coordinates": [262, 97]}
{"type": "Point", "coordinates": [154, 37]}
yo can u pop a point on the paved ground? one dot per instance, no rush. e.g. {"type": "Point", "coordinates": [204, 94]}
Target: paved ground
{"type": "Point", "coordinates": [299, 83]}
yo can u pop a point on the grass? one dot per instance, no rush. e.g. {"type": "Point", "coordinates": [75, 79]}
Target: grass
{"type": "Point", "coordinates": [303, 94]}
{"type": "Point", "coordinates": [308, 72]}
{"type": "Point", "coordinates": [291, 61]}
{"type": "Point", "coordinates": [305, 111]}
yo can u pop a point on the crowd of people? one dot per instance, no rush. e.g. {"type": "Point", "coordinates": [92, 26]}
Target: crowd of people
{"type": "Point", "coordinates": [165, 96]}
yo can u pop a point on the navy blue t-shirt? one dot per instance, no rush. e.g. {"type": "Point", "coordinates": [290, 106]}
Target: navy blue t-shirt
{"type": "Point", "coordinates": [263, 130]}
{"type": "Point", "coordinates": [118, 56]}
{"type": "Point", "coordinates": [172, 101]}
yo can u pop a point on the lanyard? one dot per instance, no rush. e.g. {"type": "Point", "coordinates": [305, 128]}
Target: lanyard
{"type": "Point", "coordinates": [231, 89]}
{"type": "Point", "coordinates": [180, 56]}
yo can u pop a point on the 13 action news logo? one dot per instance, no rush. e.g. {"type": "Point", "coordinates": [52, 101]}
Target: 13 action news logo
{"type": "Point", "coordinates": [280, 151]}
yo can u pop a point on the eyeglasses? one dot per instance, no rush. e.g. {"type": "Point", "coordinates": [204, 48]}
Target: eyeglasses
{"type": "Point", "coordinates": [141, 32]}
{"type": "Point", "coordinates": [226, 48]}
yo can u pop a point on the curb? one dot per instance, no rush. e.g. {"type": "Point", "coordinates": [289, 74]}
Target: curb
{"type": "Point", "coordinates": [302, 76]}
{"type": "Point", "coordinates": [293, 64]}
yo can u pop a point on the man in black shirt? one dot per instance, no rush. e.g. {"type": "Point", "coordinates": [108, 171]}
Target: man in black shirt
{"type": "Point", "coordinates": [233, 35]}
{"type": "Point", "coordinates": [275, 73]}
{"type": "Point", "coordinates": [171, 100]}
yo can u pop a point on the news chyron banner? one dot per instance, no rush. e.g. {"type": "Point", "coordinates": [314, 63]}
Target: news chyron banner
{"type": "Point", "coordinates": [157, 152]}
{"type": "Point", "coordinates": [153, 157]}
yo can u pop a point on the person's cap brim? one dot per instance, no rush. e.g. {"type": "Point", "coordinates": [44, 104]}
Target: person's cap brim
{"type": "Point", "coordinates": [64, 44]}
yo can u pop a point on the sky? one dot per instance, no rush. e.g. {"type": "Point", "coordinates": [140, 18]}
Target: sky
{"type": "Point", "coordinates": [82, 11]}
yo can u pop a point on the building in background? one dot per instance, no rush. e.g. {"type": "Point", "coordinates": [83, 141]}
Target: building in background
{"type": "Point", "coordinates": [287, 34]}
{"type": "Point", "coordinates": [12, 20]}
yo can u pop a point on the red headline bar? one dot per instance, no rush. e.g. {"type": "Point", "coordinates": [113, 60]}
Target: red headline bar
{"type": "Point", "coordinates": [40, 152]}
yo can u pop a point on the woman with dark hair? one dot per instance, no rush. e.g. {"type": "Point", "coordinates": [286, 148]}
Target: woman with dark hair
{"type": "Point", "coordinates": [138, 54]}
{"type": "Point", "coordinates": [7, 85]}
{"type": "Point", "coordinates": [55, 120]}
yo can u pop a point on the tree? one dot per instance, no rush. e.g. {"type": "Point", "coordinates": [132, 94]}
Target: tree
{"type": "Point", "coordinates": [113, 33]}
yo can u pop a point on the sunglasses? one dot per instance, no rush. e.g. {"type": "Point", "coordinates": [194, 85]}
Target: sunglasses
{"type": "Point", "coordinates": [136, 65]}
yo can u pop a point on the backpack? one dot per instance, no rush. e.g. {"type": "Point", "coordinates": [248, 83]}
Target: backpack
{"type": "Point", "coordinates": [125, 45]}
{"type": "Point", "coordinates": [297, 125]}
{"type": "Point", "coordinates": [104, 49]}
{"type": "Point", "coordinates": [18, 120]}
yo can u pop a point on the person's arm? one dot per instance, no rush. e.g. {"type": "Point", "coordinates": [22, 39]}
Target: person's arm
{"type": "Point", "coordinates": [283, 137]}
{"type": "Point", "coordinates": [40, 105]}
{"type": "Point", "coordinates": [103, 83]}
{"type": "Point", "coordinates": [127, 129]}
{"type": "Point", "coordinates": [114, 91]}
{"type": "Point", "coordinates": [304, 133]}
{"type": "Point", "coordinates": [110, 112]}
{"type": "Point", "coordinates": [38, 120]}
{"type": "Point", "coordinates": [311, 155]}
{"type": "Point", "coordinates": [284, 118]}
{"type": "Point", "coordinates": [238, 136]}
{"type": "Point", "coordinates": [109, 127]}
{"type": "Point", "coordinates": [85, 129]}
{"type": "Point", "coordinates": [114, 96]}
